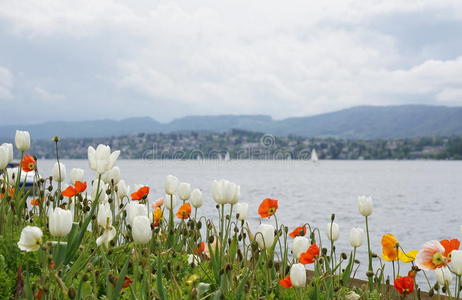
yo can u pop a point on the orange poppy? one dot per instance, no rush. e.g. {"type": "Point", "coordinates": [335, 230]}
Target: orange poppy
{"type": "Point", "coordinates": [310, 255]}
{"type": "Point", "coordinates": [69, 192]}
{"type": "Point", "coordinates": [10, 192]}
{"type": "Point", "coordinates": [184, 211]}
{"type": "Point", "coordinates": [390, 249]}
{"type": "Point", "coordinates": [140, 193]}
{"type": "Point", "coordinates": [449, 246]}
{"type": "Point", "coordinates": [299, 231]}
{"type": "Point", "coordinates": [200, 248]}
{"type": "Point", "coordinates": [286, 283]}
{"type": "Point", "coordinates": [80, 186]}
{"type": "Point", "coordinates": [267, 208]}
{"type": "Point", "coordinates": [157, 213]}
{"type": "Point", "coordinates": [404, 285]}
{"type": "Point", "coordinates": [28, 163]}
{"type": "Point", "coordinates": [35, 202]}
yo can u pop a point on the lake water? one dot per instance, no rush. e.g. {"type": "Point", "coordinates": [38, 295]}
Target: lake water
{"type": "Point", "coordinates": [417, 201]}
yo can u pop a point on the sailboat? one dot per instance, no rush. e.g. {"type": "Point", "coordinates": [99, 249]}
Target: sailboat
{"type": "Point", "coordinates": [314, 156]}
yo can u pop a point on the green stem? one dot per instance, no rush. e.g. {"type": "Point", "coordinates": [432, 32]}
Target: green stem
{"type": "Point", "coordinates": [369, 255]}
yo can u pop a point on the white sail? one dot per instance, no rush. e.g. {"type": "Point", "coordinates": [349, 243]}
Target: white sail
{"type": "Point", "coordinates": [314, 156]}
{"type": "Point", "coordinates": [227, 156]}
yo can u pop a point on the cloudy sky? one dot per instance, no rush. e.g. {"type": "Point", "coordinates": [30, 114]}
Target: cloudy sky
{"type": "Point", "coordinates": [74, 60]}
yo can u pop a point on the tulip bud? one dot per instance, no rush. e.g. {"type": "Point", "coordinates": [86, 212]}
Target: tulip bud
{"type": "Point", "coordinates": [30, 239]}
{"type": "Point", "coordinates": [298, 275]}
{"type": "Point", "coordinates": [356, 237]}
{"type": "Point", "coordinates": [443, 276]}
{"type": "Point", "coordinates": [196, 198]}
{"type": "Point", "coordinates": [141, 230]}
{"type": "Point", "coordinates": [365, 205]}
{"type": "Point", "coordinates": [6, 155]}
{"type": "Point", "coordinates": [456, 262]}
{"type": "Point", "coordinates": [134, 210]}
{"type": "Point", "coordinates": [22, 140]}
{"type": "Point", "coordinates": [59, 172]}
{"type": "Point", "coordinates": [265, 236]}
{"type": "Point", "coordinates": [184, 191]}
{"type": "Point", "coordinates": [77, 175]}
{"type": "Point", "coordinates": [300, 246]}
{"type": "Point", "coordinates": [242, 210]}
{"type": "Point", "coordinates": [60, 222]}
{"type": "Point", "coordinates": [104, 217]}
{"type": "Point", "coordinates": [170, 201]}
{"type": "Point", "coordinates": [171, 184]}
{"type": "Point", "coordinates": [111, 176]}
{"type": "Point", "coordinates": [332, 231]}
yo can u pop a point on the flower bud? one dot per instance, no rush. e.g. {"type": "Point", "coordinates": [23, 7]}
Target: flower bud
{"type": "Point", "coordinates": [300, 246]}
{"type": "Point", "coordinates": [242, 210]}
{"type": "Point", "coordinates": [141, 230]}
{"type": "Point", "coordinates": [356, 237]}
{"type": "Point", "coordinates": [265, 236]}
{"type": "Point", "coordinates": [22, 140]}
{"type": "Point", "coordinates": [171, 184]}
{"type": "Point", "coordinates": [365, 205]}
{"type": "Point", "coordinates": [60, 222]}
{"type": "Point", "coordinates": [298, 275]}
{"type": "Point", "coordinates": [59, 172]}
{"type": "Point", "coordinates": [184, 191]}
{"type": "Point", "coordinates": [196, 198]}
{"type": "Point", "coordinates": [332, 231]}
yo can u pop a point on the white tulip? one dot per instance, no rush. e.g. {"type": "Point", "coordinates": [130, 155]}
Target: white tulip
{"type": "Point", "coordinates": [242, 210]}
{"type": "Point", "coordinates": [123, 190]}
{"type": "Point", "coordinates": [170, 201]}
{"type": "Point", "coordinates": [9, 150]}
{"type": "Point", "coordinates": [224, 192]}
{"type": "Point", "coordinates": [101, 159]}
{"type": "Point", "coordinates": [22, 140]}
{"type": "Point", "coordinates": [332, 231]}
{"type": "Point", "coordinates": [171, 184]}
{"type": "Point", "coordinates": [112, 176]}
{"type": "Point", "coordinates": [300, 245]}
{"type": "Point", "coordinates": [104, 217]}
{"type": "Point", "coordinates": [184, 191]}
{"type": "Point", "coordinates": [60, 222]}
{"type": "Point", "coordinates": [298, 275]}
{"type": "Point", "coordinates": [265, 236]}
{"type": "Point", "coordinates": [356, 237]}
{"type": "Point", "coordinates": [77, 175]}
{"type": "Point", "coordinates": [59, 172]}
{"type": "Point", "coordinates": [196, 198]}
{"type": "Point", "coordinates": [3, 157]}
{"type": "Point", "coordinates": [108, 234]}
{"type": "Point", "coordinates": [456, 262]}
{"type": "Point", "coordinates": [135, 209]}
{"type": "Point", "coordinates": [141, 230]}
{"type": "Point", "coordinates": [443, 276]}
{"type": "Point", "coordinates": [31, 238]}
{"type": "Point", "coordinates": [101, 191]}
{"type": "Point", "coordinates": [365, 205]}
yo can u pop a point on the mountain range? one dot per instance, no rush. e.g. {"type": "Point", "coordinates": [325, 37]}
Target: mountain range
{"type": "Point", "coordinates": [360, 122]}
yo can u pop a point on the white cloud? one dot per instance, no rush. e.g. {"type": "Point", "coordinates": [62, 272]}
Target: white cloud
{"type": "Point", "coordinates": [6, 83]}
{"type": "Point", "coordinates": [48, 96]}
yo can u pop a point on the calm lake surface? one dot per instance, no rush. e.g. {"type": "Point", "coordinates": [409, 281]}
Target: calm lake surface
{"type": "Point", "coordinates": [417, 201]}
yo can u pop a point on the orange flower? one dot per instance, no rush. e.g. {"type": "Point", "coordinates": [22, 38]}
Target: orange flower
{"type": "Point", "coordinates": [267, 208]}
{"type": "Point", "coordinates": [390, 249]}
{"type": "Point", "coordinates": [184, 211]}
{"type": "Point", "coordinates": [140, 193]}
{"type": "Point", "coordinates": [449, 246]}
{"type": "Point", "coordinates": [157, 214]}
{"type": "Point", "coordinates": [286, 283]}
{"type": "Point", "coordinates": [35, 202]}
{"type": "Point", "coordinates": [299, 231]}
{"type": "Point", "coordinates": [69, 192]}
{"type": "Point", "coordinates": [28, 163]}
{"type": "Point", "coordinates": [431, 256]}
{"type": "Point", "coordinates": [10, 192]}
{"type": "Point", "coordinates": [39, 294]}
{"type": "Point", "coordinates": [310, 255]}
{"type": "Point", "coordinates": [200, 248]}
{"type": "Point", "coordinates": [159, 202]}
{"type": "Point", "coordinates": [80, 186]}
{"type": "Point", "coordinates": [127, 282]}
{"type": "Point", "coordinates": [404, 285]}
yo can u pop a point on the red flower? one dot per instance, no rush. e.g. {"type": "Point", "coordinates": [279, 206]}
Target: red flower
{"type": "Point", "coordinates": [80, 186]}
{"type": "Point", "coordinates": [299, 231]}
{"type": "Point", "coordinates": [71, 191]}
{"type": "Point", "coordinates": [449, 246]}
{"type": "Point", "coordinates": [28, 163]}
{"type": "Point", "coordinates": [184, 211]}
{"type": "Point", "coordinates": [39, 294]}
{"type": "Point", "coordinates": [140, 193]}
{"type": "Point", "coordinates": [404, 285]}
{"type": "Point", "coordinates": [200, 248]}
{"type": "Point", "coordinates": [127, 282]}
{"type": "Point", "coordinates": [35, 202]}
{"type": "Point", "coordinates": [310, 255]}
{"type": "Point", "coordinates": [286, 283]}
{"type": "Point", "coordinates": [267, 208]}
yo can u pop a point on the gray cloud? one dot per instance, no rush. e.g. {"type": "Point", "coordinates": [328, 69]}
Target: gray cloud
{"type": "Point", "coordinates": [115, 59]}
